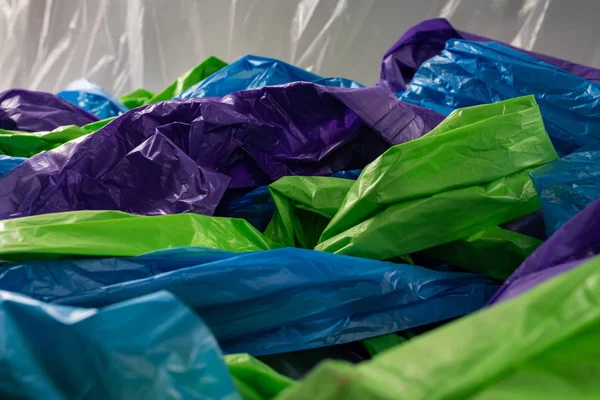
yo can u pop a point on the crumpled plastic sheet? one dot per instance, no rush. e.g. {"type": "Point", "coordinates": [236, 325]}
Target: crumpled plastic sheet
{"type": "Point", "coordinates": [115, 233]}
{"type": "Point", "coordinates": [254, 72]}
{"type": "Point", "coordinates": [24, 110]}
{"type": "Point", "coordinates": [577, 240]}
{"type": "Point", "coordinates": [149, 347]}
{"type": "Point", "coordinates": [480, 156]}
{"type": "Point", "coordinates": [568, 185]}
{"type": "Point", "coordinates": [470, 73]}
{"type": "Point", "coordinates": [92, 98]}
{"type": "Point", "coordinates": [428, 38]}
{"type": "Point", "coordinates": [324, 299]}
{"type": "Point", "coordinates": [254, 379]}
{"type": "Point", "coordinates": [541, 345]}
{"type": "Point", "coordinates": [8, 163]}
{"type": "Point", "coordinates": [181, 155]}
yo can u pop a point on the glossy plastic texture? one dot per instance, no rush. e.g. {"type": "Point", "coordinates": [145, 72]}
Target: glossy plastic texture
{"type": "Point", "coordinates": [254, 379]}
{"type": "Point", "coordinates": [255, 72]}
{"type": "Point", "coordinates": [541, 345]}
{"type": "Point", "coordinates": [136, 98]}
{"type": "Point", "coordinates": [428, 38]}
{"type": "Point", "coordinates": [128, 350]}
{"type": "Point", "coordinates": [114, 233]}
{"type": "Point", "coordinates": [92, 98]}
{"type": "Point", "coordinates": [577, 240]}
{"type": "Point", "coordinates": [479, 156]}
{"type": "Point", "coordinates": [24, 110]}
{"type": "Point", "coordinates": [268, 301]}
{"type": "Point", "coordinates": [181, 155]}
{"type": "Point", "coordinates": [471, 73]}
{"type": "Point", "coordinates": [568, 185]}
{"type": "Point", "coordinates": [8, 163]}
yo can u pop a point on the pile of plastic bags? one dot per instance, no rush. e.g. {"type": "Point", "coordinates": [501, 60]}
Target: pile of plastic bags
{"type": "Point", "coordinates": [256, 231]}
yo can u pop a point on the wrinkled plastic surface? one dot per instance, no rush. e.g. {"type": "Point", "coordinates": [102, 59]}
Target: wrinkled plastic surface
{"type": "Point", "coordinates": [268, 301]}
{"type": "Point", "coordinates": [479, 156]}
{"type": "Point", "coordinates": [254, 72]}
{"type": "Point", "coordinates": [577, 240]}
{"type": "Point", "coordinates": [254, 379]}
{"type": "Point", "coordinates": [541, 345]}
{"type": "Point", "coordinates": [8, 163]}
{"type": "Point", "coordinates": [568, 185]}
{"type": "Point", "coordinates": [114, 233]}
{"type": "Point", "coordinates": [92, 98]}
{"type": "Point", "coordinates": [181, 155]}
{"type": "Point", "coordinates": [136, 98]}
{"type": "Point", "coordinates": [428, 38]}
{"type": "Point", "coordinates": [471, 73]}
{"type": "Point", "coordinates": [128, 350]}
{"type": "Point", "coordinates": [24, 110]}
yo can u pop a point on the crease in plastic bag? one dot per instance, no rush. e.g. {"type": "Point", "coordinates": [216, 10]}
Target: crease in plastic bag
{"type": "Point", "coordinates": [92, 98]}
{"type": "Point", "coordinates": [265, 302]}
{"type": "Point", "coordinates": [182, 155]}
{"type": "Point", "coordinates": [568, 185]}
{"type": "Point", "coordinates": [114, 233]}
{"type": "Point", "coordinates": [413, 197]}
{"type": "Point", "coordinates": [471, 73]}
{"type": "Point", "coordinates": [573, 243]}
{"type": "Point", "coordinates": [428, 39]}
{"type": "Point", "coordinates": [541, 345]}
{"type": "Point", "coordinates": [127, 350]}
{"type": "Point", "coordinates": [254, 72]}
{"type": "Point", "coordinates": [24, 110]}
{"type": "Point", "coordinates": [254, 379]}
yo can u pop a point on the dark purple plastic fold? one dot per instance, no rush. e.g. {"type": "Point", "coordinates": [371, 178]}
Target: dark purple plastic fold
{"type": "Point", "coordinates": [181, 155]}
{"type": "Point", "coordinates": [428, 38]}
{"type": "Point", "coordinates": [25, 110]}
{"type": "Point", "coordinates": [570, 245]}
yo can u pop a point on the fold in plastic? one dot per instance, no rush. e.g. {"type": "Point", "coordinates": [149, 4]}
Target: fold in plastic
{"type": "Point", "coordinates": [428, 38]}
{"type": "Point", "coordinates": [468, 174]}
{"type": "Point", "coordinates": [254, 379]}
{"type": "Point", "coordinates": [92, 98]}
{"type": "Point", "coordinates": [24, 110]}
{"type": "Point", "coordinates": [114, 233]}
{"type": "Point", "coordinates": [471, 73]}
{"type": "Point", "coordinates": [181, 155]}
{"type": "Point", "coordinates": [568, 185]}
{"type": "Point", "coordinates": [541, 345]}
{"type": "Point", "coordinates": [149, 347]}
{"type": "Point", "coordinates": [254, 72]}
{"type": "Point", "coordinates": [265, 302]}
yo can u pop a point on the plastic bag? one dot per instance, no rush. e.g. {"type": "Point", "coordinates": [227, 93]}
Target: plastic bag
{"type": "Point", "coordinates": [254, 379]}
{"type": "Point", "coordinates": [181, 155]}
{"type": "Point", "coordinates": [128, 350]}
{"type": "Point", "coordinates": [254, 72]}
{"type": "Point", "coordinates": [541, 345]}
{"type": "Point", "coordinates": [24, 110]}
{"type": "Point", "coordinates": [413, 196]}
{"type": "Point", "coordinates": [92, 98]}
{"type": "Point", "coordinates": [114, 233]}
{"type": "Point", "coordinates": [265, 302]}
{"type": "Point", "coordinates": [471, 73]}
{"type": "Point", "coordinates": [428, 38]}
{"type": "Point", "coordinates": [568, 185]}
{"type": "Point", "coordinates": [136, 98]}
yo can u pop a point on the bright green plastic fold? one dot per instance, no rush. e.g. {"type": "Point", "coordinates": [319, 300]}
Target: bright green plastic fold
{"type": "Point", "coordinates": [542, 345]}
{"type": "Point", "coordinates": [254, 379]}
{"type": "Point", "coordinates": [115, 233]}
{"type": "Point", "coordinates": [495, 251]}
{"type": "Point", "coordinates": [468, 174]}
{"type": "Point", "coordinates": [136, 98]}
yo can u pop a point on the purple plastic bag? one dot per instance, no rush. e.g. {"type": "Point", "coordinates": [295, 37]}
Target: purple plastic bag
{"type": "Point", "coordinates": [571, 245]}
{"type": "Point", "coordinates": [25, 110]}
{"type": "Point", "coordinates": [428, 38]}
{"type": "Point", "coordinates": [181, 155]}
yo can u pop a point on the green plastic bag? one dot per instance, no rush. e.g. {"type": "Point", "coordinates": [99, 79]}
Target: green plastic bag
{"type": "Point", "coordinates": [254, 379]}
{"type": "Point", "coordinates": [468, 174]}
{"type": "Point", "coordinates": [115, 233]}
{"type": "Point", "coordinates": [542, 345]}
{"type": "Point", "coordinates": [136, 98]}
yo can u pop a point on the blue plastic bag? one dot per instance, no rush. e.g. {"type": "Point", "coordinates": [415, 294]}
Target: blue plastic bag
{"type": "Point", "coordinates": [253, 72]}
{"type": "Point", "coordinates": [568, 185]}
{"type": "Point", "coordinates": [471, 73]}
{"type": "Point", "coordinates": [152, 347]}
{"type": "Point", "coordinates": [265, 302]}
{"type": "Point", "coordinates": [8, 163]}
{"type": "Point", "coordinates": [92, 98]}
